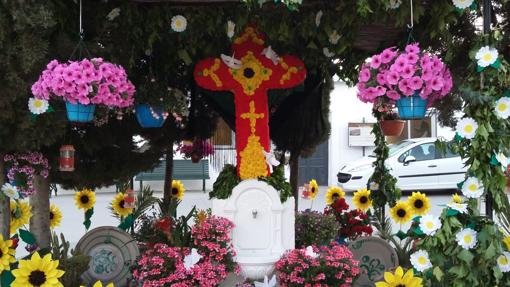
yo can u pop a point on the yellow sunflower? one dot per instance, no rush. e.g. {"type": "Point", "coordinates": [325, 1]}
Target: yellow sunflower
{"type": "Point", "coordinates": [401, 212]}
{"type": "Point", "coordinates": [506, 241]}
{"type": "Point", "coordinates": [333, 194]}
{"type": "Point", "coordinates": [419, 203]}
{"type": "Point", "coordinates": [85, 199]}
{"type": "Point", "coordinates": [361, 199]}
{"type": "Point", "coordinates": [118, 205]}
{"type": "Point", "coordinates": [456, 198]}
{"type": "Point", "coordinates": [314, 189]}
{"type": "Point", "coordinates": [99, 284]}
{"type": "Point", "coordinates": [55, 216]}
{"type": "Point", "coordinates": [37, 272]}
{"type": "Point", "coordinates": [6, 254]}
{"type": "Point", "coordinates": [177, 189]}
{"type": "Point", "coordinates": [20, 214]}
{"type": "Point", "coordinates": [399, 279]}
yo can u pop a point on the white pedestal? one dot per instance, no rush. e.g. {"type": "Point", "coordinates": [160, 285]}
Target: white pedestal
{"type": "Point", "coordinates": [264, 227]}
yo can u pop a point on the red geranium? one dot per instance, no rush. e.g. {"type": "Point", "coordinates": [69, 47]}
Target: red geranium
{"type": "Point", "coordinates": [353, 223]}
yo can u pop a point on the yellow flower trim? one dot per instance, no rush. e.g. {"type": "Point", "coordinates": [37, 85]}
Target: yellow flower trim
{"type": "Point", "coordinates": [118, 205]}
{"type": "Point", "coordinates": [249, 34]}
{"type": "Point", "coordinates": [252, 116]}
{"type": "Point", "coordinates": [288, 73]}
{"type": "Point", "coordinates": [20, 215]}
{"type": "Point", "coordinates": [334, 193]}
{"type": "Point", "coordinates": [211, 72]}
{"type": "Point", "coordinates": [7, 254]}
{"type": "Point", "coordinates": [253, 162]}
{"type": "Point", "coordinates": [37, 272]}
{"type": "Point", "coordinates": [251, 74]}
{"type": "Point", "coordinates": [55, 216]}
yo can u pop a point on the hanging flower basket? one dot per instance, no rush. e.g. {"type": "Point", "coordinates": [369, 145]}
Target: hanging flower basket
{"type": "Point", "coordinates": [80, 113]}
{"type": "Point", "coordinates": [392, 128]}
{"type": "Point", "coordinates": [411, 108]}
{"type": "Point", "coordinates": [149, 117]}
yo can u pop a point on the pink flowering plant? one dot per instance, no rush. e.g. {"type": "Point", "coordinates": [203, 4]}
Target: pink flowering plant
{"type": "Point", "coordinates": [86, 82]}
{"type": "Point", "coordinates": [331, 265]}
{"type": "Point", "coordinates": [196, 149]}
{"type": "Point", "coordinates": [395, 74]}
{"type": "Point", "coordinates": [22, 167]}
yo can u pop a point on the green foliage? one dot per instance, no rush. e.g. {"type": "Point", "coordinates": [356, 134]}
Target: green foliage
{"type": "Point", "coordinates": [314, 228]}
{"type": "Point", "coordinates": [74, 266]}
{"type": "Point", "coordinates": [279, 182]}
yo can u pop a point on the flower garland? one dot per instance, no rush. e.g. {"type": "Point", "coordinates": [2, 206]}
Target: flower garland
{"type": "Point", "coordinates": [22, 168]}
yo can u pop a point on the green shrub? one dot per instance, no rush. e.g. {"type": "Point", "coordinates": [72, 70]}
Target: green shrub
{"type": "Point", "coordinates": [313, 227]}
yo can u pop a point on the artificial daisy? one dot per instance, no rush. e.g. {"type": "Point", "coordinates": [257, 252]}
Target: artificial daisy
{"type": "Point", "coordinates": [502, 108]}
{"type": "Point", "coordinates": [401, 212]}
{"type": "Point", "coordinates": [177, 189]}
{"type": "Point", "coordinates": [6, 254]}
{"type": "Point", "coordinates": [55, 216]}
{"type": "Point", "coordinates": [394, 4]}
{"type": "Point", "coordinates": [10, 191]}
{"type": "Point", "coordinates": [472, 188]}
{"type": "Point", "coordinates": [118, 203]}
{"type": "Point", "coordinates": [400, 279]}
{"type": "Point", "coordinates": [462, 4]}
{"type": "Point", "coordinates": [429, 224]}
{"type": "Point", "coordinates": [100, 284]}
{"type": "Point", "coordinates": [37, 271]}
{"type": "Point", "coordinates": [506, 241]}
{"type": "Point", "coordinates": [361, 199]}
{"type": "Point", "coordinates": [38, 106]}
{"type": "Point", "coordinates": [419, 203]}
{"type": "Point", "coordinates": [333, 194]}
{"type": "Point", "coordinates": [374, 186]}
{"type": "Point", "coordinates": [467, 128]}
{"type": "Point", "coordinates": [486, 56]}
{"type": "Point", "coordinates": [327, 52]}
{"type": "Point", "coordinates": [456, 198]}
{"type": "Point", "coordinates": [466, 238]}
{"type": "Point", "coordinates": [334, 37]}
{"type": "Point", "coordinates": [85, 199]}
{"type": "Point", "coordinates": [420, 260]}
{"type": "Point", "coordinates": [460, 207]}
{"type": "Point", "coordinates": [504, 262]}
{"type": "Point", "coordinates": [20, 214]}
{"type": "Point", "coordinates": [179, 23]}
{"type": "Point", "coordinates": [313, 189]}
{"type": "Point", "coordinates": [503, 160]}
{"type": "Point", "coordinates": [231, 29]}
{"type": "Point", "coordinates": [318, 18]}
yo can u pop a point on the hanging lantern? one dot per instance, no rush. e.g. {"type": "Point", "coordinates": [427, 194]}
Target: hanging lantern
{"type": "Point", "coordinates": [66, 160]}
{"type": "Point", "coordinates": [129, 199]}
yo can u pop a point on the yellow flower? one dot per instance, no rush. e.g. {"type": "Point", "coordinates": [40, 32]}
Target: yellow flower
{"type": "Point", "coordinates": [201, 216]}
{"type": "Point", "coordinates": [177, 189]}
{"type": "Point", "coordinates": [333, 194]}
{"type": "Point", "coordinates": [399, 279]}
{"type": "Point", "coordinates": [118, 205]}
{"type": "Point", "coordinates": [361, 199]}
{"type": "Point", "coordinates": [456, 198]}
{"type": "Point", "coordinates": [85, 199]}
{"type": "Point", "coordinates": [99, 284]}
{"type": "Point", "coordinates": [37, 272]}
{"type": "Point", "coordinates": [6, 254]}
{"type": "Point", "coordinates": [506, 241]}
{"type": "Point", "coordinates": [20, 214]}
{"type": "Point", "coordinates": [314, 189]}
{"type": "Point", "coordinates": [419, 203]}
{"type": "Point", "coordinates": [55, 216]}
{"type": "Point", "coordinates": [401, 212]}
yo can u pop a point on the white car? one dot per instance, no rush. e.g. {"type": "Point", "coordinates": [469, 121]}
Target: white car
{"type": "Point", "coordinates": [416, 163]}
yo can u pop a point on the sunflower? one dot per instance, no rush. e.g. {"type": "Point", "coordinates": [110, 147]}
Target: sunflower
{"type": "Point", "coordinates": [20, 214]}
{"type": "Point", "coordinates": [177, 189]}
{"type": "Point", "coordinates": [314, 189]}
{"type": "Point", "coordinates": [401, 212]}
{"type": "Point", "coordinates": [456, 198]}
{"type": "Point", "coordinates": [506, 241]}
{"type": "Point", "coordinates": [361, 199]}
{"type": "Point", "coordinates": [37, 271]}
{"type": "Point", "coordinates": [85, 199]}
{"type": "Point", "coordinates": [6, 254]}
{"type": "Point", "coordinates": [419, 203]}
{"type": "Point", "coordinates": [118, 205]}
{"type": "Point", "coordinates": [55, 216]}
{"type": "Point", "coordinates": [333, 194]}
{"type": "Point", "coordinates": [399, 279]}
{"type": "Point", "coordinates": [100, 284]}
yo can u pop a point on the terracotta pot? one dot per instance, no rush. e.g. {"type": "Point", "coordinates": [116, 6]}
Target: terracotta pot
{"type": "Point", "coordinates": [392, 127]}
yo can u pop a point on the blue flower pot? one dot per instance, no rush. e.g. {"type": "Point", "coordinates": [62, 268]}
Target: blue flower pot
{"type": "Point", "coordinates": [80, 113]}
{"type": "Point", "coordinates": [412, 108]}
{"type": "Point", "coordinates": [145, 118]}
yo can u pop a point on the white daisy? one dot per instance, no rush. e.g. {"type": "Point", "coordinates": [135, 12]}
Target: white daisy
{"type": "Point", "coordinates": [460, 207]}
{"type": "Point", "coordinates": [503, 160]}
{"type": "Point", "coordinates": [327, 53]}
{"type": "Point", "coordinates": [502, 108]}
{"type": "Point", "coordinates": [462, 4]}
{"type": "Point", "coordinates": [466, 238]}
{"type": "Point", "coordinates": [467, 128]}
{"type": "Point", "coordinates": [429, 224]}
{"type": "Point", "coordinates": [394, 4]}
{"type": "Point", "coordinates": [374, 186]}
{"type": "Point", "coordinates": [38, 106]}
{"type": "Point", "coordinates": [318, 18]}
{"type": "Point", "coordinates": [179, 23]}
{"type": "Point", "coordinates": [334, 37]}
{"type": "Point", "coordinates": [10, 191]}
{"type": "Point", "coordinates": [231, 28]}
{"type": "Point", "coordinates": [472, 188]}
{"type": "Point", "coordinates": [504, 262]}
{"type": "Point", "coordinates": [486, 56]}
{"type": "Point", "coordinates": [420, 260]}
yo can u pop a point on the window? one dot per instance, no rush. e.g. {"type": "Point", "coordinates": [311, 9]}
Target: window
{"type": "Point", "coordinates": [421, 152]}
{"type": "Point", "coordinates": [448, 154]}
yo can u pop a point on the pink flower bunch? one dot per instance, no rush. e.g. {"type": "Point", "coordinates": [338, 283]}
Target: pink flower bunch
{"type": "Point", "coordinates": [212, 237]}
{"type": "Point", "coordinates": [334, 266]}
{"type": "Point", "coordinates": [22, 167]}
{"type": "Point", "coordinates": [394, 74]}
{"type": "Point", "coordinates": [196, 150]}
{"type": "Point", "coordinates": [86, 82]}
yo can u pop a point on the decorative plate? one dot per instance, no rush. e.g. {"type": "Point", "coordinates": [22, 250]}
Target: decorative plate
{"type": "Point", "coordinates": [112, 252]}
{"type": "Point", "coordinates": [375, 257]}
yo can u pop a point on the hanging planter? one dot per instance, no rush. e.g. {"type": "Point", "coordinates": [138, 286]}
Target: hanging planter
{"type": "Point", "coordinates": [392, 128]}
{"type": "Point", "coordinates": [80, 113]}
{"type": "Point", "coordinates": [149, 117]}
{"type": "Point", "coordinates": [411, 108]}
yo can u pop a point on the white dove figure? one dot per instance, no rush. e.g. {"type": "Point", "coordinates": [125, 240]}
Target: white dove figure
{"type": "Point", "coordinates": [270, 159]}
{"type": "Point", "coordinates": [271, 55]}
{"type": "Point", "coordinates": [192, 259]}
{"type": "Point", "coordinates": [231, 62]}
{"type": "Point", "coordinates": [267, 282]}
{"type": "Point", "coordinates": [311, 253]}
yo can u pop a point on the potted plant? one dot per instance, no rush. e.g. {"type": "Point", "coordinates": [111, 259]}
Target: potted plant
{"type": "Point", "coordinates": [83, 85]}
{"type": "Point", "coordinates": [196, 149]}
{"type": "Point", "coordinates": [412, 79]}
{"type": "Point", "coordinates": [391, 124]}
